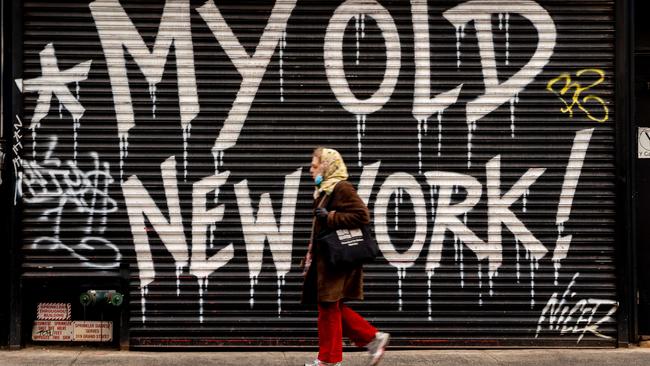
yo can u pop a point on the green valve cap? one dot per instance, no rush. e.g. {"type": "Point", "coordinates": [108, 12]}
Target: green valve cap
{"type": "Point", "coordinates": [85, 299]}
{"type": "Point", "coordinates": [117, 299]}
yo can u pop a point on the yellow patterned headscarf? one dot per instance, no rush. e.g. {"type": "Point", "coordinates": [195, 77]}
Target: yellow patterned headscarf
{"type": "Point", "coordinates": [334, 172]}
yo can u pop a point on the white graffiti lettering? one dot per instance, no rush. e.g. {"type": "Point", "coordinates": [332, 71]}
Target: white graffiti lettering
{"type": "Point", "coordinates": [261, 228]}
{"type": "Point", "coordinates": [576, 319]}
{"type": "Point", "coordinates": [480, 12]}
{"type": "Point", "coordinates": [141, 206]}
{"type": "Point", "coordinates": [119, 35]}
{"type": "Point", "coordinates": [54, 82]}
{"type": "Point", "coordinates": [58, 189]}
{"type": "Point", "coordinates": [569, 186]}
{"type": "Point", "coordinates": [423, 105]}
{"type": "Point", "coordinates": [251, 68]}
{"type": "Point", "coordinates": [496, 94]}
{"type": "Point", "coordinates": [333, 52]}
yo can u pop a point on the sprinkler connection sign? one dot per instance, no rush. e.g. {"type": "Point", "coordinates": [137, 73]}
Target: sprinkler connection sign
{"type": "Point", "coordinates": [79, 331]}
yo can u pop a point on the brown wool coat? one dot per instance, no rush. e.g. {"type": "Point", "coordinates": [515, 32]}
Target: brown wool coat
{"type": "Point", "coordinates": [324, 284]}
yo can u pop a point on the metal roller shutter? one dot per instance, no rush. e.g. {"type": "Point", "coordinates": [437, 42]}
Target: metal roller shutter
{"type": "Point", "coordinates": [177, 136]}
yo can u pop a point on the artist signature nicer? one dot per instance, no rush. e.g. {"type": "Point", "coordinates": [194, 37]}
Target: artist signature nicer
{"type": "Point", "coordinates": [578, 318]}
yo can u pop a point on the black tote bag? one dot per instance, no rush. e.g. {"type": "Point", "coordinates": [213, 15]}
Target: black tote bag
{"type": "Point", "coordinates": [345, 248]}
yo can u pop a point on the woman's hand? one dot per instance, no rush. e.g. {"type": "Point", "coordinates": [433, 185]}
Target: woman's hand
{"type": "Point", "coordinates": [321, 213]}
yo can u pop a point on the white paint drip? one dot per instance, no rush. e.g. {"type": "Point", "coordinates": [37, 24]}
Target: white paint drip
{"type": "Point", "coordinates": [426, 125]}
{"type": "Point", "coordinates": [179, 271]}
{"type": "Point", "coordinates": [77, 90]}
{"type": "Point", "coordinates": [93, 201]}
{"type": "Point", "coordinates": [211, 240]}
{"type": "Point", "coordinates": [361, 129]}
{"type": "Point", "coordinates": [490, 283]}
{"type": "Point", "coordinates": [432, 192]}
{"type": "Point", "coordinates": [34, 143]}
{"type": "Point", "coordinates": [75, 129]}
{"type": "Point", "coordinates": [460, 33]}
{"type": "Point", "coordinates": [363, 25]}
{"type": "Point", "coordinates": [357, 26]}
{"type": "Point", "coordinates": [398, 201]}
{"type": "Point", "coordinates": [556, 262]}
{"type": "Point", "coordinates": [532, 281]}
{"type": "Point", "coordinates": [283, 45]}
{"type": "Point", "coordinates": [500, 21]}
{"type": "Point", "coordinates": [507, 38]}
{"type": "Point", "coordinates": [281, 282]}
{"type": "Point", "coordinates": [185, 138]}
{"type": "Point", "coordinates": [152, 95]}
{"type": "Point", "coordinates": [429, 275]}
{"type": "Point", "coordinates": [480, 284]}
{"type": "Point", "coordinates": [462, 264]}
{"type": "Point", "coordinates": [202, 283]}
{"type": "Point", "coordinates": [102, 228]}
{"type": "Point", "coordinates": [525, 199]}
{"type": "Point", "coordinates": [455, 248]}
{"type": "Point", "coordinates": [60, 110]}
{"type": "Point", "coordinates": [517, 260]}
{"type": "Point", "coordinates": [252, 293]}
{"type": "Point", "coordinates": [143, 302]}
{"type": "Point", "coordinates": [470, 128]}
{"type": "Point", "coordinates": [124, 152]}
{"type": "Point", "coordinates": [420, 122]}
{"type": "Point", "coordinates": [439, 133]}
{"type": "Point", "coordinates": [513, 101]}
{"type": "Point", "coordinates": [401, 274]}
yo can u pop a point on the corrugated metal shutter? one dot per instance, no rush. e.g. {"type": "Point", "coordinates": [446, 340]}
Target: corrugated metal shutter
{"type": "Point", "coordinates": [530, 264]}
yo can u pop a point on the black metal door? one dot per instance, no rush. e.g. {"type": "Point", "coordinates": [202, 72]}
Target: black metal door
{"type": "Point", "coordinates": [176, 136]}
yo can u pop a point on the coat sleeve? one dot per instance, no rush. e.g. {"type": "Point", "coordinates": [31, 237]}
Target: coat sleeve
{"type": "Point", "coordinates": [349, 212]}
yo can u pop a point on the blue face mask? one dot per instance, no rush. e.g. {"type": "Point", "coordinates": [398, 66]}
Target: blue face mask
{"type": "Point", "coordinates": [318, 180]}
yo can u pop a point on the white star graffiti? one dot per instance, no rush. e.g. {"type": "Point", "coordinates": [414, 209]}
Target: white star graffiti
{"type": "Point", "coordinates": [53, 81]}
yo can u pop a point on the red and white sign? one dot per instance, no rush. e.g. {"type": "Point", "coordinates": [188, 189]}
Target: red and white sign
{"type": "Point", "coordinates": [52, 330]}
{"type": "Point", "coordinates": [93, 331]}
{"type": "Point", "coordinates": [54, 311]}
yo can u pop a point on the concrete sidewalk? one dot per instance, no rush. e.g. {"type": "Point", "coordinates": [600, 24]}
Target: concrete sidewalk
{"type": "Point", "coordinates": [538, 357]}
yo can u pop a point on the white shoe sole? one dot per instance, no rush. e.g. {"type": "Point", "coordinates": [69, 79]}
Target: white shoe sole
{"type": "Point", "coordinates": [377, 357]}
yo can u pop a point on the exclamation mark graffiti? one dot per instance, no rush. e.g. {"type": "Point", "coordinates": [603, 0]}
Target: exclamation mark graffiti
{"type": "Point", "coordinates": [571, 178]}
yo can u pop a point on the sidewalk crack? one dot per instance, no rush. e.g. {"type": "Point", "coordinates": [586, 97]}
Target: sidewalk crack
{"type": "Point", "coordinates": [76, 357]}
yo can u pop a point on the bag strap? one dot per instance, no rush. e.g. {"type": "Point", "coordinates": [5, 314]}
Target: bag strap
{"type": "Point", "coordinates": [313, 221]}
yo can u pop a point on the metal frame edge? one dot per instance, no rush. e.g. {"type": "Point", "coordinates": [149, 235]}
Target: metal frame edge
{"type": "Point", "coordinates": [625, 173]}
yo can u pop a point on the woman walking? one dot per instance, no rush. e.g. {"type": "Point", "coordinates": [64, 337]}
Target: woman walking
{"type": "Point", "coordinates": [337, 206]}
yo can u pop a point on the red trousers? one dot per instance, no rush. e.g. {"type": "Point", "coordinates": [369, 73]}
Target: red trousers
{"type": "Point", "coordinates": [336, 320]}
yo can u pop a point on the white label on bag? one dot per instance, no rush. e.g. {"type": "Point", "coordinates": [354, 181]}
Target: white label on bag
{"type": "Point", "coordinates": [343, 234]}
{"type": "Point", "coordinates": [356, 232]}
{"type": "Point", "coordinates": [350, 237]}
